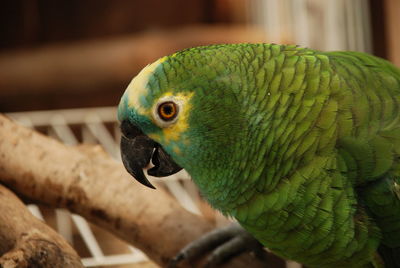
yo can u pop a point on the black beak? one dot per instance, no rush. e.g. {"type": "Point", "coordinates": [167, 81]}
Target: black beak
{"type": "Point", "coordinates": [136, 151]}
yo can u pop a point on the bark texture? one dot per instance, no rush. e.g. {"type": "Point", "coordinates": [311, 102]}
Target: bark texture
{"type": "Point", "coordinates": [88, 182]}
{"type": "Point", "coordinates": [28, 242]}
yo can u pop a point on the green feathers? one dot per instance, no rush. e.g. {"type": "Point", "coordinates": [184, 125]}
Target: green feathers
{"type": "Point", "coordinates": [302, 147]}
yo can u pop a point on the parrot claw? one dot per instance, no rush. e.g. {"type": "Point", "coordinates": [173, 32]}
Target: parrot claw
{"type": "Point", "coordinates": [224, 243]}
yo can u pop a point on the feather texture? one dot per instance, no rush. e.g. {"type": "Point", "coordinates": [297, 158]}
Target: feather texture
{"type": "Point", "coordinates": [302, 147]}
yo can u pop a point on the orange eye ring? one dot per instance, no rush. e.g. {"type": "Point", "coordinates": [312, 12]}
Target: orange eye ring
{"type": "Point", "coordinates": [167, 111]}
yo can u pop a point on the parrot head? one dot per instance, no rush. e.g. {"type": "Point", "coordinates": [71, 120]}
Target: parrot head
{"type": "Point", "coordinates": [182, 111]}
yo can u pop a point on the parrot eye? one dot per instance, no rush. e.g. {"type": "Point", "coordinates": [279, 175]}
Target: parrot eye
{"type": "Point", "coordinates": [167, 111]}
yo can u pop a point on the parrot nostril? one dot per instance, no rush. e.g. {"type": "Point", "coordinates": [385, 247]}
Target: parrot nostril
{"type": "Point", "coordinates": [129, 130]}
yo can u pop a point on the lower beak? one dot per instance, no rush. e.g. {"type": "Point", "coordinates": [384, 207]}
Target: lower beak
{"type": "Point", "coordinates": [136, 151]}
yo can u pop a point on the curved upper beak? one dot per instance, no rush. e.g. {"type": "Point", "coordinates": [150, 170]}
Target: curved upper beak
{"type": "Point", "coordinates": [136, 151]}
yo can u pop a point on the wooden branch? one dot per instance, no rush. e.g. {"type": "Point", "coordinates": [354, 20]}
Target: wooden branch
{"type": "Point", "coordinates": [28, 242]}
{"type": "Point", "coordinates": [88, 182]}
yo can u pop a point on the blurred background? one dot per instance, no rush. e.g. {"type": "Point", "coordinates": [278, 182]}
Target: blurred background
{"type": "Point", "coordinates": [64, 65]}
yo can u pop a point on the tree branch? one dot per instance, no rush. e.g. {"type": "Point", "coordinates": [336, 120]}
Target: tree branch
{"type": "Point", "coordinates": [27, 242]}
{"type": "Point", "coordinates": [90, 183]}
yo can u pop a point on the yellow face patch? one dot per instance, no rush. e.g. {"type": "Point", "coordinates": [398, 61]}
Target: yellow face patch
{"type": "Point", "coordinates": [173, 131]}
{"type": "Point", "coordinates": [138, 86]}
{"type": "Point", "coordinates": [176, 150]}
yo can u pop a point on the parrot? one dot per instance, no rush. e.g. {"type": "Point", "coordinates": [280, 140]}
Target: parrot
{"type": "Point", "coordinates": [300, 146]}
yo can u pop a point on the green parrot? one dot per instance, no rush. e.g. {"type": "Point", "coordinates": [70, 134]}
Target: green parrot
{"type": "Point", "coordinates": [301, 147]}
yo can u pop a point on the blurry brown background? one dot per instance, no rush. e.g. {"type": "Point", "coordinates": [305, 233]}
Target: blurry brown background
{"type": "Point", "coordinates": [67, 54]}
